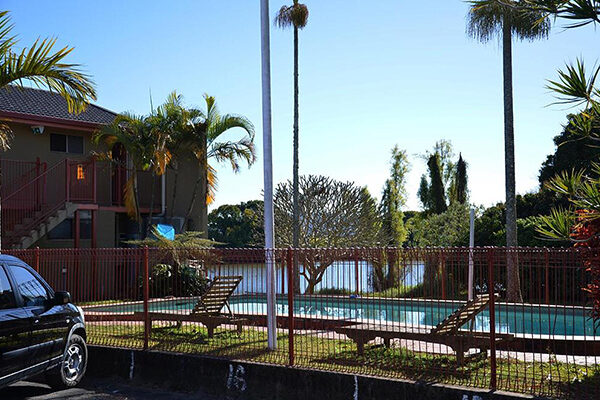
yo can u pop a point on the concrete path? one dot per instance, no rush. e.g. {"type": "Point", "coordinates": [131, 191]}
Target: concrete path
{"type": "Point", "coordinates": [93, 389]}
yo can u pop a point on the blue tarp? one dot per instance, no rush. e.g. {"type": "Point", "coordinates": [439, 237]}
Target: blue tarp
{"type": "Point", "coordinates": [166, 231]}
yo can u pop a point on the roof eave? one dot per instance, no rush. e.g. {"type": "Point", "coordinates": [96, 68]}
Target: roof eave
{"type": "Point", "coordinates": [9, 116]}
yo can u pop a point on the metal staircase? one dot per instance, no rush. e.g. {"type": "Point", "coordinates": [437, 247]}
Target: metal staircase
{"type": "Point", "coordinates": [37, 206]}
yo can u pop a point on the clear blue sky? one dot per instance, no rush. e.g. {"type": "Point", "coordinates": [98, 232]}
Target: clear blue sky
{"type": "Point", "coordinates": [372, 74]}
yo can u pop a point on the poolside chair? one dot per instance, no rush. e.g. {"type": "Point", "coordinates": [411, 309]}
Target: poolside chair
{"type": "Point", "coordinates": [447, 332]}
{"type": "Point", "coordinates": [209, 306]}
{"type": "Point", "coordinates": [207, 310]}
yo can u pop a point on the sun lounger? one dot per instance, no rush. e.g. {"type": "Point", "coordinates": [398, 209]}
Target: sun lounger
{"type": "Point", "coordinates": [447, 332]}
{"type": "Point", "coordinates": [208, 309]}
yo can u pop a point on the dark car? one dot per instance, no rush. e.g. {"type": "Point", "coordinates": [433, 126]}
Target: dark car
{"type": "Point", "coordinates": [41, 332]}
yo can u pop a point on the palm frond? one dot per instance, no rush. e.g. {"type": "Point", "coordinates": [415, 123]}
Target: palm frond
{"type": "Point", "coordinates": [556, 226]}
{"type": "Point", "coordinates": [219, 126]}
{"type": "Point", "coordinates": [295, 15]}
{"type": "Point", "coordinates": [130, 197]}
{"type": "Point", "coordinates": [6, 39]}
{"type": "Point", "coordinates": [47, 69]}
{"type": "Point", "coordinates": [486, 19]}
{"type": "Point", "coordinates": [212, 184]}
{"type": "Point", "coordinates": [573, 85]}
{"type": "Point", "coordinates": [566, 182]}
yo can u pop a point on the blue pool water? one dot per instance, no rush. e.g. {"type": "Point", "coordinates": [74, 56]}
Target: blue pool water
{"type": "Point", "coordinates": [523, 319]}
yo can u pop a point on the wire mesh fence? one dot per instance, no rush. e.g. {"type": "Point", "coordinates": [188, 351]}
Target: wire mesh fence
{"type": "Point", "coordinates": [401, 313]}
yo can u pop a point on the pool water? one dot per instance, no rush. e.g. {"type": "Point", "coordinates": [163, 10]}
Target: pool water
{"type": "Point", "coordinates": [523, 319]}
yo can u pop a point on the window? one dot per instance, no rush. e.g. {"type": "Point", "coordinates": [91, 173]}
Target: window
{"type": "Point", "coordinates": [58, 142]}
{"type": "Point", "coordinates": [66, 143]}
{"type": "Point", "coordinates": [75, 144]}
{"type": "Point", "coordinates": [7, 298]}
{"type": "Point", "coordinates": [31, 289]}
{"type": "Point", "coordinates": [65, 231]}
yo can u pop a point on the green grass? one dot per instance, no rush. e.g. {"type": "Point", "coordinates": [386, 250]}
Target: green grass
{"type": "Point", "coordinates": [331, 354]}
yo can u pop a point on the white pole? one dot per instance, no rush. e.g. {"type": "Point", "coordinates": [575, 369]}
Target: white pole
{"type": "Point", "coordinates": [268, 174]}
{"type": "Point", "coordinates": [471, 245]}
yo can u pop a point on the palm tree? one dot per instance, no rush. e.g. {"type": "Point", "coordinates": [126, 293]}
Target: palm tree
{"type": "Point", "coordinates": [295, 16]}
{"type": "Point", "coordinates": [145, 139]}
{"type": "Point", "coordinates": [206, 128]}
{"type": "Point", "coordinates": [488, 19]}
{"type": "Point", "coordinates": [195, 134]}
{"type": "Point", "coordinates": [43, 67]}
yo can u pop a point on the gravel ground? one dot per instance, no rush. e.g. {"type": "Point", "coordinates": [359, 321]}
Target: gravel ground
{"type": "Point", "coordinates": [94, 389]}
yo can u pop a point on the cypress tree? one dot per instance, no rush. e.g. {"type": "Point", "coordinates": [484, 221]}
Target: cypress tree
{"type": "Point", "coordinates": [461, 181]}
{"type": "Point", "coordinates": [436, 190]}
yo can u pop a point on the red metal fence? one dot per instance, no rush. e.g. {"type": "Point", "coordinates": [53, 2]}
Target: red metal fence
{"type": "Point", "coordinates": [383, 312]}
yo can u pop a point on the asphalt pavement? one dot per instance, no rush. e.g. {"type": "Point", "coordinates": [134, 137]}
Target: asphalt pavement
{"type": "Point", "coordinates": [92, 389]}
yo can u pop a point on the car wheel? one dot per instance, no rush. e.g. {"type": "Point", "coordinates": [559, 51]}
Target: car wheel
{"type": "Point", "coordinates": [72, 366]}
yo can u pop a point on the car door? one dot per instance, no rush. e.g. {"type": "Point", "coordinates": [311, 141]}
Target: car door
{"type": "Point", "coordinates": [49, 322]}
{"type": "Point", "coordinates": [14, 330]}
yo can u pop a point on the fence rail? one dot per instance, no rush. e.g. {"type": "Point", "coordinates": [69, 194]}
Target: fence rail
{"type": "Point", "coordinates": [376, 311]}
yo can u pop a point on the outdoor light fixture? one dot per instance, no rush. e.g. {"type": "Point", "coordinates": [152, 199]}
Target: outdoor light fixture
{"type": "Point", "coordinates": [80, 172]}
{"type": "Point", "coordinates": [37, 129]}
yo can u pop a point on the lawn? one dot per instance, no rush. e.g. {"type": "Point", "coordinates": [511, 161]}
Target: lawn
{"type": "Point", "coordinates": [318, 351]}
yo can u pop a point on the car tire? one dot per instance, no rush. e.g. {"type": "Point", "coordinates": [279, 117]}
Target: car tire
{"type": "Point", "coordinates": [72, 365]}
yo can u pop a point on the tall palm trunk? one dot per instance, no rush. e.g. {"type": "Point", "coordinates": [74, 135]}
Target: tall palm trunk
{"type": "Point", "coordinates": [296, 210]}
{"type": "Point", "coordinates": [201, 190]}
{"type": "Point", "coordinates": [149, 224]}
{"type": "Point", "coordinates": [512, 265]}
{"type": "Point", "coordinates": [174, 193]}
{"type": "Point", "coordinates": [204, 187]}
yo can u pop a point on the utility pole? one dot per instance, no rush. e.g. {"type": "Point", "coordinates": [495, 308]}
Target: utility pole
{"type": "Point", "coordinates": [268, 174]}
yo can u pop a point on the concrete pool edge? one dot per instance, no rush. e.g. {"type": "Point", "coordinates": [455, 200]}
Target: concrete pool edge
{"type": "Point", "coordinates": [257, 381]}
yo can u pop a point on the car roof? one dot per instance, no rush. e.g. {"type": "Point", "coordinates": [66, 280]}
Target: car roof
{"type": "Point", "coordinates": [6, 257]}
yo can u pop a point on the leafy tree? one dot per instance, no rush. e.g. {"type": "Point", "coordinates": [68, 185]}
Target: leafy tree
{"type": "Point", "coordinates": [447, 229]}
{"type": "Point", "coordinates": [332, 214]}
{"type": "Point", "coordinates": [489, 19]}
{"type": "Point", "coordinates": [237, 225]}
{"type": "Point", "coordinates": [447, 179]}
{"type": "Point", "coordinates": [572, 152]}
{"type": "Point", "coordinates": [392, 232]}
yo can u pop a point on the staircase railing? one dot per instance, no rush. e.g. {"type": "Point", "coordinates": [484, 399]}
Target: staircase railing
{"type": "Point", "coordinates": [14, 172]}
{"type": "Point", "coordinates": [34, 202]}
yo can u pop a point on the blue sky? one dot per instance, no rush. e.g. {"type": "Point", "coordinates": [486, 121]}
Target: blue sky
{"type": "Point", "coordinates": [372, 74]}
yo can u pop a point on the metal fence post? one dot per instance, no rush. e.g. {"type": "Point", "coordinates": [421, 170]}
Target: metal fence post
{"type": "Point", "coordinates": [356, 272]}
{"type": "Point", "coordinates": [492, 308]}
{"type": "Point", "coordinates": [443, 273]}
{"type": "Point", "coordinates": [146, 296]}
{"type": "Point", "coordinates": [37, 260]}
{"type": "Point", "coordinates": [290, 276]}
{"type": "Point", "coordinates": [547, 278]}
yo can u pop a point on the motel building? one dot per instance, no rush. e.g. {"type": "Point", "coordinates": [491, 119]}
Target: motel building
{"type": "Point", "coordinates": [55, 193]}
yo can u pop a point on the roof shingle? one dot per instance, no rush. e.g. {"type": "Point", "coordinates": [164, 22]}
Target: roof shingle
{"type": "Point", "coordinates": [43, 103]}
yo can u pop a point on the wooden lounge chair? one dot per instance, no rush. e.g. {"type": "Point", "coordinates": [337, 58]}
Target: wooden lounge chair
{"type": "Point", "coordinates": [207, 310]}
{"type": "Point", "coordinates": [447, 332]}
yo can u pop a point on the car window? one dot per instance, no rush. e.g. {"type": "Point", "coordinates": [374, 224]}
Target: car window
{"type": "Point", "coordinates": [7, 298]}
{"type": "Point", "coordinates": [31, 289]}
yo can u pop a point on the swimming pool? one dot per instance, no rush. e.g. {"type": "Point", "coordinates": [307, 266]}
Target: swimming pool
{"type": "Point", "coordinates": [518, 319]}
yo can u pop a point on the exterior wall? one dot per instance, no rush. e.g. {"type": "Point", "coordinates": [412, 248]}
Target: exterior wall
{"type": "Point", "coordinates": [186, 181]}
{"type": "Point", "coordinates": [28, 147]}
